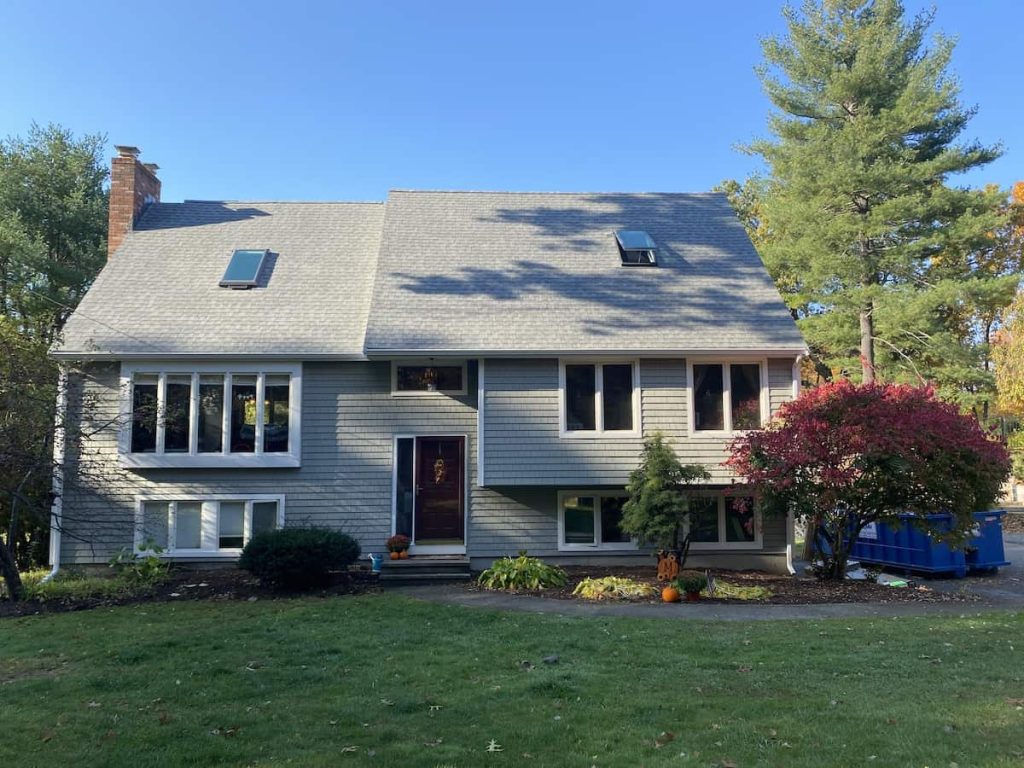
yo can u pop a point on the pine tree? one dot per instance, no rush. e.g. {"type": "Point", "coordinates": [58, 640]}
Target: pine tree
{"type": "Point", "coordinates": [861, 215]}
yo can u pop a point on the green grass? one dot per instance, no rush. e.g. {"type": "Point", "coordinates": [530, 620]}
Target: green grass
{"type": "Point", "coordinates": [325, 682]}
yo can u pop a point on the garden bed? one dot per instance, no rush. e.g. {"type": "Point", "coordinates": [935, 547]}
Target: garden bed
{"type": "Point", "coordinates": [184, 584]}
{"type": "Point", "coordinates": [785, 590]}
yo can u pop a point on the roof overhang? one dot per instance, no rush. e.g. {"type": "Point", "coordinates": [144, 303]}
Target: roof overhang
{"type": "Point", "coordinates": [385, 354]}
{"type": "Point", "coordinates": [227, 355]}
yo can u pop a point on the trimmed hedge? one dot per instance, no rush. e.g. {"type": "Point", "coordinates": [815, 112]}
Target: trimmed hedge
{"type": "Point", "coordinates": [298, 558]}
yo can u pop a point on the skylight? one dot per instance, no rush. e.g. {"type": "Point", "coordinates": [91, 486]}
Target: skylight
{"type": "Point", "coordinates": [243, 269]}
{"type": "Point", "coordinates": [636, 248]}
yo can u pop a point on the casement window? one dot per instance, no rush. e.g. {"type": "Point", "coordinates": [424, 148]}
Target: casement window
{"type": "Point", "coordinates": [416, 377]}
{"type": "Point", "coordinates": [599, 398]}
{"type": "Point", "coordinates": [727, 396]}
{"type": "Point", "coordinates": [216, 526]}
{"type": "Point", "coordinates": [223, 416]}
{"type": "Point", "coordinates": [589, 520]}
{"type": "Point", "coordinates": [722, 521]}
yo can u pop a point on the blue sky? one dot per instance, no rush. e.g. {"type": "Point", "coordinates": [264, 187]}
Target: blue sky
{"type": "Point", "coordinates": [344, 100]}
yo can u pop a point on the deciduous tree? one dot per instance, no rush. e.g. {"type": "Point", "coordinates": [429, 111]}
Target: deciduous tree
{"type": "Point", "coordinates": [844, 455]}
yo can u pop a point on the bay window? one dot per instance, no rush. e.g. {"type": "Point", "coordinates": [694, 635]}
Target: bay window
{"type": "Point", "coordinates": [727, 397]}
{"type": "Point", "coordinates": [212, 526]}
{"type": "Point", "coordinates": [591, 520]}
{"type": "Point", "coordinates": [240, 415]}
{"type": "Point", "coordinates": [599, 398]}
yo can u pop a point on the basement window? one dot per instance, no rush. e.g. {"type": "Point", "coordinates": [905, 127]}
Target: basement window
{"type": "Point", "coordinates": [243, 269]}
{"type": "Point", "coordinates": [636, 248]}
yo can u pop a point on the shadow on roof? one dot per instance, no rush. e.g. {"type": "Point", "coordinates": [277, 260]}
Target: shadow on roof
{"type": "Point", "coordinates": [195, 213]}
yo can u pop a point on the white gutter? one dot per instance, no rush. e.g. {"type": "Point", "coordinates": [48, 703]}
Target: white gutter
{"type": "Point", "coordinates": [388, 354]}
{"type": "Point", "coordinates": [59, 437]}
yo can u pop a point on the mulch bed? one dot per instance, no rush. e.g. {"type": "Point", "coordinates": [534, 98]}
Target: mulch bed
{"type": "Point", "coordinates": [786, 590]}
{"type": "Point", "coordinates": [195, 584]}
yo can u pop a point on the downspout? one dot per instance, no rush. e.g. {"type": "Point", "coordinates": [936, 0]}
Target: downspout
{"type": "Point", "coordinates": [790, 532]}
{"type": "Point", "coordinates": [57, 488]}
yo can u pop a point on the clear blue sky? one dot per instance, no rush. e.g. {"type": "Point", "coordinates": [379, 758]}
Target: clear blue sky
{"type": "Point", "coordinates": [344, 100]}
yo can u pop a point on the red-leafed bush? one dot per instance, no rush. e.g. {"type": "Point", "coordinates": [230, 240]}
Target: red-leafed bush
{"type": "Point", "coordinates": [843, 455]}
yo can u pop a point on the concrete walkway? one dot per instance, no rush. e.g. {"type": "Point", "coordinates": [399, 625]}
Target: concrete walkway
{"type": "Point", "coordinates": [1004, 591]}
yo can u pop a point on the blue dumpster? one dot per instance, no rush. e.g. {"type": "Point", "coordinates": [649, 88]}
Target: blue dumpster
{"type": "Point", "coordinates": [910, 548]}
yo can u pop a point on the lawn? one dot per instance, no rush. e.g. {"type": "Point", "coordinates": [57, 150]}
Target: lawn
{"type": "Point", "coordinates": [382, 680]}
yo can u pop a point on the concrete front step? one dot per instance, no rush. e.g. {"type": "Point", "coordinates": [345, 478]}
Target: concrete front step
{"type": "Point", "coordinates": [422, 570]}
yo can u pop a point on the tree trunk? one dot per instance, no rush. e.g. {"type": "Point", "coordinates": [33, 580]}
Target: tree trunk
{"type": "Point", "coordinates": [9, 569]}
{"type": "Point", "coordinates": [867, 342]}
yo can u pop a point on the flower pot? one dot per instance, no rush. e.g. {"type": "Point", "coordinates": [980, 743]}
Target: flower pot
{"type": "Point", "coordinates": [403, 555]}
{"type": "Point", "coordinates": [692, 597]}
{"type": "Point", "coordinates": [670, 595]}
{"type": "Point", "coordinates": [395, 555]}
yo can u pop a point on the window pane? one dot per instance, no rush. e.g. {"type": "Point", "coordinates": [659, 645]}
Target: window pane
{"type": "Point", "coordinates": [611, 517]}
{"type": "Point", "coordinates": [746, 395]}
{"type": "Point", "coordinates": [704, 519]}
{"type": "Point", "coordinates": [154, 523]}
{"type": "Point", "coordinates": [231, 524]}
{"type": "Point", "coordinates": [618, 396]}
{"type": "Point", "coordinates": [264, 516]}
{"type": "Point", "coordinates": [579, 520]}
{"type": "Point", "coordinates": [739, 519]}
{"type": "Point", "coordinates": [176, 414]}
{"type": "Point", "coordinates": [144, 414]}
{"type": "Point", "coordinates": [188, 525]}
{"type": "Point", "coordinates": [243, 414]}
{"type": "Point", "coordinates": [428, 378]}
{"type": "Point", "coordinates": [211, 414]}
{"type": "Point", "coordinates": [579, 397]}
{"type": "Point", "coordinates": [404, 487]}
{"type": "Point", "coordinates": [708, 408]}
{"type": "Point", "coordinates": [275, 414]}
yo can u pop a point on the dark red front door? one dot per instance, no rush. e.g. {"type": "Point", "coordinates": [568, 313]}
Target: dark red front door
{"type": "Point", "coordinates": [439, 490]}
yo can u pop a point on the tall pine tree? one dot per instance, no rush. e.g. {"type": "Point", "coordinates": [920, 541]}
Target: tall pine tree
{"type": "Point", "coordinates": [865, 232]}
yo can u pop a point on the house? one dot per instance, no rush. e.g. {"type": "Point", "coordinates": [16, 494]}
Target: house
{"type": "Point", "coordinates": [474, 369]}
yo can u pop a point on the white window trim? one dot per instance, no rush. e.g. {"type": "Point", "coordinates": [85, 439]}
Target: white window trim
{"type": "Point", "coordinates": [725, 362]}
{"type": "Point", "coordinates": [225, 458]}
{"type": "Point", "coordinates": [598, 545]}
{"type": "Point", "coordinates": [430, 549]}
{"type": "Point", "coordinates": [600, 432]}
{"type": "Point", "coordinates": [209, 521]}
{"type": "Point", "coordinates": [722, 544]}
{"type": "Point", "coordinates": [430, 363]}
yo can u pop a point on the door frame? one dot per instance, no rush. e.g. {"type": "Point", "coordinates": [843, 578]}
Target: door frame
{"type": "Point", "coordinates": [431, 549]}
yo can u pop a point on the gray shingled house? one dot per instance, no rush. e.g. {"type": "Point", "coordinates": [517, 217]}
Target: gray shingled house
{"type": "Point", "coordinates": [474, 369]}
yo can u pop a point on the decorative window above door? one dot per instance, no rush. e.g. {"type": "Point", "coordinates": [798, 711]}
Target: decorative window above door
{"type": "Point", "coordinates": [417, 377]}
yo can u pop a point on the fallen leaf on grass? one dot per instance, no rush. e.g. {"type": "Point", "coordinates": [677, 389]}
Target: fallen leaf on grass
{"type": "Point", "coordinates": [46, 736]}
{"type": "Point", "coordinates": [1018, 703]}
{"type": "Point", "coordinates": [228, 732]}
{"type": "Point", "coordinates": [663, 738]}
{"type": "Point", "coordinates": [109, 736]}
{"type": "Point", "coordinates": [434, 743]}
{"type": "Point", "coordinates": [350, 748]}
{"type": "Point", "coordinates": [387, 702]}
{"type": "Point", "coordinates": [744, 668]}
{"type": "Point", "coordinates": [493, 746]}
{"type": "Point", "coordinates": [93, 704]}
{"type": "Point", "coordinates": [164, 718]}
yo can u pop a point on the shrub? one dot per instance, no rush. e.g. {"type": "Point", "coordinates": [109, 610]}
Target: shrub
{"type": "Point", "coordinates": [142, 570]}
{"type": "Point", "coordinates": [691, 581]}
{"type": "Point", "coordinates": [512, 573]}
{"type": "Point", "coordinates": [298, 558]}
{"type": "Point", "coordinates": [613, 588]}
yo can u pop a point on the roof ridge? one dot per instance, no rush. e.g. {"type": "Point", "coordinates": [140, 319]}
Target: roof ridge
{"type": "Point", "coordinates": [545, 192]}
{"type": "Point", "coordinates": [282, 202]}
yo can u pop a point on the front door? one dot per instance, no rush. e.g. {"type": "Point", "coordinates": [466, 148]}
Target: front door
{"type": "Point", "coordinates": [440, 493]}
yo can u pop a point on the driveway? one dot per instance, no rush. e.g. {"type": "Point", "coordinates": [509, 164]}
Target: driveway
{"type": "Point", "coordinates": [1004, 587]}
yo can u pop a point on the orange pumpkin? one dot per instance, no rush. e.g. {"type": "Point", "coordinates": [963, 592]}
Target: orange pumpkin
{"type": "Point", "coordinates": [404, 554]}
{"type": "Point", "coordinates": [670, 594]}
{"type": "Point", "coordinates": [395, 555]}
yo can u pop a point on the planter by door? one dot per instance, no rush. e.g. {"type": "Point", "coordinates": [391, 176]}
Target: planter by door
{"type": "Point", "coordinates": [439, 490]}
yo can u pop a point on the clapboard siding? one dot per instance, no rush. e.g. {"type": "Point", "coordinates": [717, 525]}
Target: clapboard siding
{"type": "Point", "coordinates": [349, 421]}
{"type": "Point", "coordinates": [522, 445]}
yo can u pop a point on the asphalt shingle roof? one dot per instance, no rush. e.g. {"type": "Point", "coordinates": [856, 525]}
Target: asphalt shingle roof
{"type": "Point", "coordinates": [541, 272]}
{"type": "Point", "coordinates": [159, 293]}
{"type": "Point", "coordinates": [435, 272]}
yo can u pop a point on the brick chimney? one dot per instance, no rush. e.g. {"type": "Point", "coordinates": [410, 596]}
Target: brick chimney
{"type": "Point", "coordinates": [133, 186]}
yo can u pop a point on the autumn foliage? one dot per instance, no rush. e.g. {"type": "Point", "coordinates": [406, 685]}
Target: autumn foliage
{"type": "Point", "coordinates": [843, 455]}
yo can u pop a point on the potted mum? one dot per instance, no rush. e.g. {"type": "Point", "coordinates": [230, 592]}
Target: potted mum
{"type": "Point", "coordinates": [398, 546]}
{"type": "Point", "coordinates": [691, 583]}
